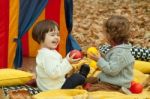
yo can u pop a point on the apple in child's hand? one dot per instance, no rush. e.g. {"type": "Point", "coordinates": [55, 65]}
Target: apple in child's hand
{"type": "Point", "coordinates": [136, 87]}
{"type": "Point", "coordinates": [86, 86]}
{"type": "Point", "coordinates": [78, 54]}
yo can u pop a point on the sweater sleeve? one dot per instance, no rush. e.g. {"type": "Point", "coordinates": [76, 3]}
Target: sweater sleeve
{"type": "Point", "coordinates": [55, 67]}
{"type": "Point", "coordinates": [114, 65]}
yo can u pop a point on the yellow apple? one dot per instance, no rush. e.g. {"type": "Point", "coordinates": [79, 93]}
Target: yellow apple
{"type": "Point", "coordinates": [92, 64]}
{"type": "Point", "coordinates": [92, 50]}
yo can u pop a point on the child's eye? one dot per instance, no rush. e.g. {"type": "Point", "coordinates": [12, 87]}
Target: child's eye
{"type": "Point", "coordinates": [50, 34]}
{"type": "Point", "coordinates": [58, 34]}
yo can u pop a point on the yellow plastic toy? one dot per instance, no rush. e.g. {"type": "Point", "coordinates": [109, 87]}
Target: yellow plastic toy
{"type": "Point", "coordinates": [142, 66]}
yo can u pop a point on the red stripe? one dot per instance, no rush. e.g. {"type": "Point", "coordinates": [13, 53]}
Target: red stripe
{"type": "Point", "coordinates": [52, 11]}
{"type": "Point", "coordinates": [4, 30]}
{"type": "Point", "coordinates": [25, 44]}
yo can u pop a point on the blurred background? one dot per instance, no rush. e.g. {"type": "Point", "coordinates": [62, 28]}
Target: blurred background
{"type": "Point", "coordinates": [89, 15]}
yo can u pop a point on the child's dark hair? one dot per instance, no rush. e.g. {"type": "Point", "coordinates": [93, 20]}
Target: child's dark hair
{"type": "Point", "coordinates": [41, 28]}
{"type": "Point", "coordinates": [117, 27]}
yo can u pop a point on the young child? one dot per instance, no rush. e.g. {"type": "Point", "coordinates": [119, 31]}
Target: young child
{"type": "Point", "coordinates": [117, 65]}
{"type": "Point", "coordinates": [51, 67]}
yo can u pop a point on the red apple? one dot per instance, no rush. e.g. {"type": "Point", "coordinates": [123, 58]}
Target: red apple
{"type": "Point", "coordinates": [78, 54]}
{"type": "Point", "coordinates": [132, 83]}
{"type": "Point", "coordinates": [86, 86]}
{"type": "Point", "coordinates": [136, 87]}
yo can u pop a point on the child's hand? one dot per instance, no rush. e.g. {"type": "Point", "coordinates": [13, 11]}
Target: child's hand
{"type": "Point", "coordinates": [94, 56]}
{"type": "Point", "coordinates": [71, 60]}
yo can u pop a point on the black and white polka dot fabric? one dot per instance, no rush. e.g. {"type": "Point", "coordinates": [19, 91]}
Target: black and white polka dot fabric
{"type": "Point", "coordinates": [104, 48]}
{"type": "Point", "coordinates": [31, 90]}
{"type": "Point", "coordinates": [139, 53]}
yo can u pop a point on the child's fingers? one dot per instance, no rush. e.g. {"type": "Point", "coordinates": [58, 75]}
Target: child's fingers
{"type": "Point", "coordinates": [72, 55]}
{"type": "Point", "coordinates": [77, 59]}
{"type": "Point", "coordinates": [91, 54]}
{"type": "Point", "coordinates": [94, 56]}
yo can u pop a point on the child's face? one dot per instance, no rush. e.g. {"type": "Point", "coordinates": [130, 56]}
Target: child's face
{"type": "Point", "coordinates": [52, 39]}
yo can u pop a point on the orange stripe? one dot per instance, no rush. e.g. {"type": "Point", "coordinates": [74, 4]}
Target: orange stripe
{"type": "Point", "coordinates": [33, 46]}
{"type": "Point", "coordinates": [63, 30]}
{"type": "Point", "coordinates": [13, 30]}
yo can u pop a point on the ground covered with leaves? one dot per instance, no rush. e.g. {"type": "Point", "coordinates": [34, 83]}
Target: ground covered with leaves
{"type": "Point", "coordinates": [89, 15]}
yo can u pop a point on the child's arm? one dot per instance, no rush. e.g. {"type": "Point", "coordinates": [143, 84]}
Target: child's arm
{"type": "Point", "coordinates": [112, 67]}
{"type": "Point", "coordinates": [55, 67]}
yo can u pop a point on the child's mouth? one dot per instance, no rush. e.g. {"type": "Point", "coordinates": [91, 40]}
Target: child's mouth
{"type": "Point", "coordinates": [54, 42]}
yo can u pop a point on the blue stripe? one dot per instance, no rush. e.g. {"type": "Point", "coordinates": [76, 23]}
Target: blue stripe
{"type": "Point", "coordinates": [69, 14]}
{"type": "Point", "coordinates": [71, 42]}
{"type": "Point", "coordinates": [29, 12]}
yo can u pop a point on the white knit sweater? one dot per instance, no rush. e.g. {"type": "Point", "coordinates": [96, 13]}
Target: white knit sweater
{"type": "Point", "coordinates": [51, 69]}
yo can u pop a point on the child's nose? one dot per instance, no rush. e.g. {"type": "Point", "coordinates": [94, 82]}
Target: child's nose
{"type": "Point", "coordinates": [57, 36]}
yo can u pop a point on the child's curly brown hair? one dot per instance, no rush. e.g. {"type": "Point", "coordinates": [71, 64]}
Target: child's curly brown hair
{"type": "Point", "coordinates": [117, 27]}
